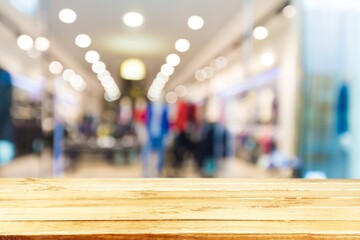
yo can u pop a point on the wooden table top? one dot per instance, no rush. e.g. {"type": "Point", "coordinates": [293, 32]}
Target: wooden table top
{"type": "Point", "coordinates": [179, 209]}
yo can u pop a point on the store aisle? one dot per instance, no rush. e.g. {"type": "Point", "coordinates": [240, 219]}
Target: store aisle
{"type": "Point", "coordinates": [92, 167]}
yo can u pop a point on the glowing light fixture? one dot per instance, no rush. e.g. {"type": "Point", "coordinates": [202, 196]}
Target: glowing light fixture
{"type": "Point", "coordinates": [260, 33]}
{"type": "Point", "coordinates": [163, 76]}
{"type": "Point", "coordinates": [111, 96]}
{"type": "Point", "coordinates": [92, 56]}
{"type": "Point", "coordinates": [171, 97]}
{"type": "Point", "coordinates": [209, 72]}
{"type": "Point", "coordinates": [42, 44]}
{"type": "Point", "coordinates": [195, 22]}
{"type": "Point", "coordinates": [267, 59]}
{"type": "Point", "coordinates": [133, 19]}
{"type": "Point", "coordinates": [77, 82]}
{"type": "Point", "coordinates": [98, 67]}
{"type": "Point", "coordinates": [173, 59]}
{"type": "Point", "coordinates": [133, 69]}
{"type": "Point", "coordinates": [181, 91]}
{"type": "Point", "coordinates": [219, 63]}
{"type": "Point", "coordinates": [25, 42]}
{"type": "Point", "coordinates": [103, 74]}
{"type": "Point", "coordinates": [67, 74]}
{"type": "Point", "coordinates": [55, 67]}
{"type": "Point", "coordinates": [182, 45]}
{"type": "Point", "coordinates": [167, 70]}
{"type": "Point", "coordinates": [200, 75]}
{"type": "Point", "coordinates": [160, 80]}
{"type": "Point", "coordinates": [83, 40]}
{"type": "Point", "coordinates": [67, 15]}
{"type": "Point", "coordinates": [289, 11]}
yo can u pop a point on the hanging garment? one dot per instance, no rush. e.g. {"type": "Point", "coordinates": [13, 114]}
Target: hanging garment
{"type": "Point", "coordinates": [7, 148]}
{"type": "Point", "coordinates": [342, 110]}
{"type": "Point", "coordinates": [158, 128]}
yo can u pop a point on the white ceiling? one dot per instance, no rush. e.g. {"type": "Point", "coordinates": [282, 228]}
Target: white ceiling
{"type": "Point", "coordinates": [165, 22]}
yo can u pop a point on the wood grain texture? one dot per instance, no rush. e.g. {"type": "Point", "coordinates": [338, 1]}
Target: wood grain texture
{"type": "Point", "coordinates": [34, 209]}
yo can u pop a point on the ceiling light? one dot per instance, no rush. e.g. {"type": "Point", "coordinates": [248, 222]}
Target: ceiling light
{"type": "Point", "coordinates": [289, 11]}
{"type": "Point", "coordinates": [55, 67]}
{"type": "Point", "coordinates": [25, 42]}
{"type": "Point", "coordinates": [103, 74]}
{"type": "Point", "coordinates": [111, 97]}
{"type": "Point", "coordinates": [92, 56]}
{"type": "Point", "coordinates": [67, 74]}
{"type": "Point", "coordinates": [209, 72]}
{"type": "Point", "coordinates": [77, 83]}
{"type": "Point", "coordinates": [167, 70]}
{"type": "Point", "coordinates": [267, 59]}
{"type": "Point", "coordinates": [133, 19]}
{"type": "Point", "coordinates": [160, 80]}
{"type": "Point", "coordinates": [155, 91]}
{"type": "Point", "coordinates": [98, 67]}
{"type": "Point", "coordinates": [173, 59]}
{"type": "Point", "coordinates": [163, 76]}
{"type": "Point", "coordinates": [81, 87]}
{"type": "Point", "coordinates": [260, 33]}
{"type": "Point", "coordinates": [154, 94]}
{"type": "Point", "coordinates": [67, 16]}
{"type": "Point", "coordinates": [42, 44]}
{"type": "Point", "coordinates": [181, 91]}
{"type": "Point", "coordinates": [221, 62]}
{"type": "Point", "coordinates": [171, 97]}
{"type": "Point", "coordinates": [108, 82]}
{"type": "Point", "coordinates": [83, 40]}
{"type": "Point", "coordinates": [182, 45]}
{"type": "Point", "coordinates": [200, 75]}
{"type": "Point", "coordinates": [158, 85]}
{"type": "Point", "coordinates": [195, 22]}
{"type": "Point", "coordinates": [153, 98]}
{"type": "Point", "coordinates": [107, 98]}
{"type": "Point", "coordinates": [113, 92]}
{"type": "Point", "coordinates": [133, 69]}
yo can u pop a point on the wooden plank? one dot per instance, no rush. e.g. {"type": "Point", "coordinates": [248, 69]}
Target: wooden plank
{"type": "Point", "coordinates": [179, 209]}
{"type": "Point", "coordinates": [177, 227]}
{"type": "Point", "coordinates": [196, 212]}
{"type": "Point", "coordinates": [168, 184]}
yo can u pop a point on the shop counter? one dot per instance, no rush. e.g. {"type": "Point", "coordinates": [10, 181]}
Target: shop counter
{"type": "Point", "coordinates": [64, 209]}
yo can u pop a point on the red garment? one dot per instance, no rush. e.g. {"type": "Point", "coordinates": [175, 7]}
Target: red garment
{"type": "Point", "coordinates": [182, 116]}
{"type": "Point", "coordinates": [140, 115]}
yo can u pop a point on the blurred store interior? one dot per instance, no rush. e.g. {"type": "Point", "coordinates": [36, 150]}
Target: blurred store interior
{"type": "Point", "coordinates": [205, 88]}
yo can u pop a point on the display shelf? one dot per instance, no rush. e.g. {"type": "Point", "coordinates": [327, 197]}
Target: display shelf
{"type": "Point", "coordinates": [35, 209]}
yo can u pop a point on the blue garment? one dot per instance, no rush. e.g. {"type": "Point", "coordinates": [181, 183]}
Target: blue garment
{"type": "Point", "coordinates": [5, 106]}
{"type": "Point", "coordinates": [342, 110]}
{"type": "Point", "coordinates": [7, 148]}
{"type": "Point", "coordinates": [158, 127]}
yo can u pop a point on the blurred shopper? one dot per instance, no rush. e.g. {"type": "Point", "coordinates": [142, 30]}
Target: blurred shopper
{"type": "Point", "coordinates": [186, 138]}
{"type": "Point", "coordinates": [7, 149]}
{"type": "Point", "coordinates": [214, 143]}
{"type": "Point", "coordinates": [213, 146]}
{"type": "Point", "coordinates": [140, 123]}
{"type": "Point", "coordinates": [342, 120]}
{"type": "Point", "coordinates": [125, 132]}
{"type": "Point", "coordinates": [158, 128]}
